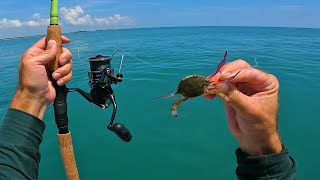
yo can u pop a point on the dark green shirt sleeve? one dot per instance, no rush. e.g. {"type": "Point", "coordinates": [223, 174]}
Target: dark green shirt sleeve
{"type": "Point", "coordinates": [20, 138]}
{"type": "Point", "coordinates": [274, 166]}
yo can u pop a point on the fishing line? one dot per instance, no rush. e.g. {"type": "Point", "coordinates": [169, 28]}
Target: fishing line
{"type": "Point", "coordinates": [122, 56]}
{"type": "Point", "coordinates": [123, 52]}
{"type": "Point", "coordinates": [255, 60]}
{"type": "Point", "coordinates": [79, 55]}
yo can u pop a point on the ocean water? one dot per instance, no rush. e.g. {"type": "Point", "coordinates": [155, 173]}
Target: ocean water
{"type": "Point", "coordinates": [198, 144]}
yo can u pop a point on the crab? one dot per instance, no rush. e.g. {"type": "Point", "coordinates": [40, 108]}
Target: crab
{"type": "Point", "coordinates": [198, 85]}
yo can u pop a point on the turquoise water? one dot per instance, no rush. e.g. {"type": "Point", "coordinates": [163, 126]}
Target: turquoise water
{"type": "Point", "coordinates": [197, 145]}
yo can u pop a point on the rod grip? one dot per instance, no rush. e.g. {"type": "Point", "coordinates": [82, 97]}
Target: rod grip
{"type": "Point", "coordinates": [54, 33]}
{"type": "Point", "coordinates": [68, 158]}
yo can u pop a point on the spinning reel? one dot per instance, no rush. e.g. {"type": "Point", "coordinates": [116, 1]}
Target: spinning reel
{"type": "Point", "coordinates": [101, 77]}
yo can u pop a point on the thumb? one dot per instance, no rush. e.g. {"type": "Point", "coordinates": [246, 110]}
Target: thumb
{"type": "Point", "coordinates": [48, 55]}
{"type": "Point", "coordinates": [238, 100]}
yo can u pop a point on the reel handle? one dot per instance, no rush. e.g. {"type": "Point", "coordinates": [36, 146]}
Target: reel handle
{"type": "Point", "coordinates": [122, 132]}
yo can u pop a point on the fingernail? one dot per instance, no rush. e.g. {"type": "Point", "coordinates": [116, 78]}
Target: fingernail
{"type": "Point", "coordinates": [56, 75]}
{"type": "Point", "coordinates": [50, 43]}
{"type": "Point", "coordinates": [63, 60]}
{"type": "Point", "coordinates": [60, 82]}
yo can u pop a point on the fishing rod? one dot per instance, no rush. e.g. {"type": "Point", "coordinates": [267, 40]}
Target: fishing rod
{"type": "Point", "coordinates": [101, 77]}
{"type": "Point", "coordinates": [60, 105]}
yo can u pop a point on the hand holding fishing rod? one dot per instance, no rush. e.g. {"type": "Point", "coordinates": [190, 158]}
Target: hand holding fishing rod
{"type": "Point", "coordinates": [101, 77]}
{"type": "Point", "coordinates": [22, 129]}
{"type": "Point", "coordinates": [34, 86]}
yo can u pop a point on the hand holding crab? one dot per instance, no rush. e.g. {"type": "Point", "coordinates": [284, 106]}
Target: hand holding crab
{"type": "Point", "coordinates": [251, 102]}
{"type": "Point", "coordinates": [253, 108]}
{"type": "Point", "coordinates": [197, 85]}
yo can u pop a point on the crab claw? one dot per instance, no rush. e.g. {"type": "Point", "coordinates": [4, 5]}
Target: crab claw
{"type": "Point", "coordinates": [223, 61]}
{"type": "Point", "coordinates": [174, 113]}
{"type": "Point", "coordinates": [176, 104]}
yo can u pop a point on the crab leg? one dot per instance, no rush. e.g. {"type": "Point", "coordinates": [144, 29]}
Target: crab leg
{"type": "Point", "coordinates": [211, 89]}
{"type": "Point", "coordinates": [176, 104]}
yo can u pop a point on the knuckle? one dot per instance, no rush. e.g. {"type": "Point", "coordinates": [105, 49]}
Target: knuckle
{"type": "Point", "coordinates": [234, 95]}
{"type": "Point", "coordinates": [241, 61]}
{"type": "Point", "coordinates": [48, 53]}
{"type": "Point", "coordinates": [274, 79]}
{"type": "Point", "coordinates": [63, 70]}
{"type": "Point", "coordinates": [68, 77]}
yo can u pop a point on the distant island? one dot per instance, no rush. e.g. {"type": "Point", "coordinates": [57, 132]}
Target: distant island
{"type": "Point", "coordinates": [41, 35]}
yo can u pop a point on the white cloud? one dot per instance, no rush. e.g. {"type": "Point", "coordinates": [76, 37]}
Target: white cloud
{"type": "Point", "coordinates": [85, 20]}
{"type": "Point", "coordinates": [6, 23]}
{"type": "Point", "coordinates": [76, 16]}
{"type": "Point", "coordinates": [112, 20]}
{"type": "Point", "coordinates": [36, 21]}
{"type": "Point", "coordinates": [73, 16]}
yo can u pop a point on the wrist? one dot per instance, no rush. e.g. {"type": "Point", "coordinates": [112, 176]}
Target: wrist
{"type": "Point", "coordinates": [261, 145]}
{"type": "Point", "coordinates": [29, 103]}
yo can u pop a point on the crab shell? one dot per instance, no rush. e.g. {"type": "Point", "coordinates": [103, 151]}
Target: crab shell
{"type": "Point", "coordinates": [193, 86]}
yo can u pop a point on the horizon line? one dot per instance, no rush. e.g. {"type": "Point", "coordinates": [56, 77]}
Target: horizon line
{"type": "Point", "coordinates": [154, 27]}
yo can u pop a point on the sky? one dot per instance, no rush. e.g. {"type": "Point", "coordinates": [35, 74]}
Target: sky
{"type": "Point", "coordinates": [18, 18]}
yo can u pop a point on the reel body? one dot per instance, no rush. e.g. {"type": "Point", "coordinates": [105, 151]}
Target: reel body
{"type": "Point", "coordinates": [101, 77]}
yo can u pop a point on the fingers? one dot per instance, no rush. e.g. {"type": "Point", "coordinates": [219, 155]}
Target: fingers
{"type": "Point", "coordinates": [253, 79]}
{"type": "Point", "coordinates": [257, 80]}
{"type": "Point", "coordinates": [42, 42]}
{"type": "Point", "coordinates": [234, 66]}
{"type": "Point", "coordinates": [65, 40]}
{"type": "Point", "coordinates": [47, 55]}
{"type": "Point", "coordinates": [64, 74]}
{"type": "Point", "coordinates": [65, 79]}
{"type": "Point", "coordinates": [237, 99]}
{"type": "Point", "coordinates": [65, 57]}
{"type": "Point", "coordinates": [228, 70]}
{"type": "Point", "coordinates": [40, 46]}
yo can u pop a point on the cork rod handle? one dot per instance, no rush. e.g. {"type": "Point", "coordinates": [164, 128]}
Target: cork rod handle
{"type": "Point", "coordinates": [54, 33]}
{"type": "Point", "coordinates": [69, 161]}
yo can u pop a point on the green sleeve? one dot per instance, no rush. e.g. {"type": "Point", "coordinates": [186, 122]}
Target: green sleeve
{"type": "Point", "coordinates": [274, 166]}
{"type": "Point", "coordinates": [20, 138]}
